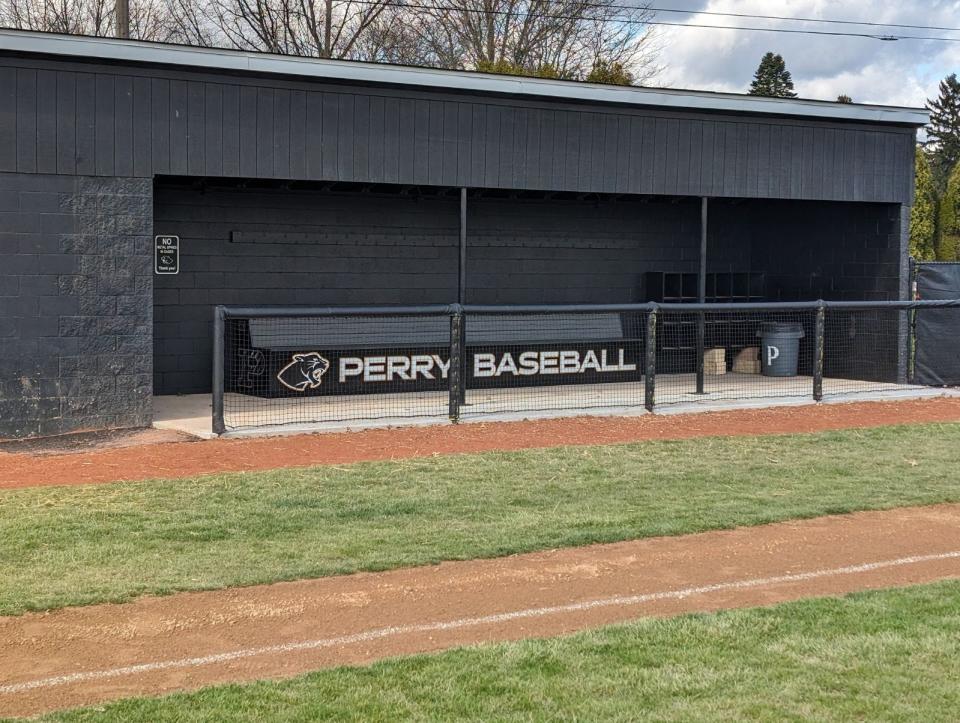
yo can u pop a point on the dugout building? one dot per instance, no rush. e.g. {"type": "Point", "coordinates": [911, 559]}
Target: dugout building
{"type": "Point", "coordinates": [141, 184]}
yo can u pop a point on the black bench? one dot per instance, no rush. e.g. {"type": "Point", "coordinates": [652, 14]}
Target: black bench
{"type": "Point", "coordinates": [282, 357]}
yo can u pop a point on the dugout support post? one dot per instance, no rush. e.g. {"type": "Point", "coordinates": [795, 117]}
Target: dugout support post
{"type": "Point", "coordinates": [702, 292]}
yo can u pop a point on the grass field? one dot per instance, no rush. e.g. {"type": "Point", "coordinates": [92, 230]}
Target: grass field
{"type": "Point", "coordinates": [890, 655]}
{"type": "Point", "coordinates": [77, 545]}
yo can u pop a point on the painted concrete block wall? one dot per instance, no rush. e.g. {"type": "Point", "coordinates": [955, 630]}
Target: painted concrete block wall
{"type": "Point", "coordinates": [303, 246]}
{"type": "Point", "coordinates": [576, 251]}
{"type": "Point", "coordinates": [75, 303]}
{"type": "Point", "coordinates": [841, 252]}
{"type": "Point", "coordinates": [308, 247]}
{"type": "Point", "coordinates": [291, 247]}
{"type": "Point", "coordinates": [833, 251]}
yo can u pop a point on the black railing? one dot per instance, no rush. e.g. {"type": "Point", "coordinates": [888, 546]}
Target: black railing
{"type": "Point", "coordinates": [298, 365]}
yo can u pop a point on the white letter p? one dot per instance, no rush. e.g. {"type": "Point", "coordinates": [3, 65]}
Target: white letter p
{"type": "Point", "coordinates": [772, 354]}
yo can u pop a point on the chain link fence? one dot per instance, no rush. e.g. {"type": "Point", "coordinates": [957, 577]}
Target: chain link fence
{"type": "Point", "coordinates": [311, 366]}
{"type": "Point", "coordinates": [557, 360]}
{"type": "Point", "coordinates": [289, 366]}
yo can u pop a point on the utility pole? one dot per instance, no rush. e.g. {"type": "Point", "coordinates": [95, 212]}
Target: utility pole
{"type": "Point", "coordinates": [123, 18]}
{"type": "Point", "coordinates": [489, 19]}
{"type": "Point", "coordinates": [328, 30]}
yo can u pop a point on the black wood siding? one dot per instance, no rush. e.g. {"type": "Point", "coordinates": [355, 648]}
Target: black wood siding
{"type": "Point", "coordinates": [57, 117]}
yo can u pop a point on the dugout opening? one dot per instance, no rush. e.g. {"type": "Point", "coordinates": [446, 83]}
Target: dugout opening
{"type": "Point", "coordinates": [283, 243]}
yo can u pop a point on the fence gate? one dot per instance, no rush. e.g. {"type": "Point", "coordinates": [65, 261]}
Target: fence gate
{"type": "Point", "coordinates": [937, 361]}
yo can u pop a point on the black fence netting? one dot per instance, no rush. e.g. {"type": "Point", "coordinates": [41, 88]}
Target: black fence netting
{"type": "Point", "coordinates": [553, 361]}
{"type": "Point", "coordinates": [865, 351]}
{"type": "Point", "coordinates": [289, 366]}
{"type": "Point", "coordinates": [310, 369]}
{"type": "Point", "coordinates": [729, 343]}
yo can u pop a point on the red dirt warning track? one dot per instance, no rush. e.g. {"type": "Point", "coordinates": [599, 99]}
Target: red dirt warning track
{"type": "Point", "coordinates": [91, 654]}
{"type": "Point", "coordinates": [184, 459]}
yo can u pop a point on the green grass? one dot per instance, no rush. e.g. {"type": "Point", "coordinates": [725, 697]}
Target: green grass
{"type": "Point", "coordinates": [77, 545]}
{"type": "Point", "coordinates": [890, 655]}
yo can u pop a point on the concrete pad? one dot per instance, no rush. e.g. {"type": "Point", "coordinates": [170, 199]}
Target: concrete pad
{"type": "Point", "coordinates": [190, 413]}
{"type": "Point", "coordinates": [247, 416]}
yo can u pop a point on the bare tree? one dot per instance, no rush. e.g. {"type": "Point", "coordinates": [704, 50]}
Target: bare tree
{"type": "Point", "coordinates": [75, 17]}
{"type": "Point", "coordinates": [322, 28]}
{"type": "Point", "coordinates": [394, 37]}
{"type": "Point", "coordinates": [148, 18]}
{"type": "Point", "coordinates": [190, 22]}
{"type": "Point", "coordinates": [569, 36]}
{"type": "Point", "coordinates": [556, 38]}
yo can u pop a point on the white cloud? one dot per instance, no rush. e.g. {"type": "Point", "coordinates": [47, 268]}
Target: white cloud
{"type": "Point", "coordinates": [905, 72]}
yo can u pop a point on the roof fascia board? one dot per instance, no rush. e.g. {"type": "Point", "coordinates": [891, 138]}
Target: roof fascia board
{"type": "Point", "coordinates": [112, 49]}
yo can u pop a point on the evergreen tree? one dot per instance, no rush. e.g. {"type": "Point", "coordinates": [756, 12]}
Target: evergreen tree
{"type": "Point", "coordinates": [844, 98]}
{"type": "Point", "coordinates": [603, 71]}
{"type": "Point", "coordinates": [948, 242]}
{"type": "Point", "coordinates": [505, 67]}
{"type": "Point", "coordinates": [772, 78]}
{"type": "Point", "coordinates": [943, 133]}
{"type": "Point", "coordinates": [923, 215]}
{"type": "Point", "coordinates": [611, 73]}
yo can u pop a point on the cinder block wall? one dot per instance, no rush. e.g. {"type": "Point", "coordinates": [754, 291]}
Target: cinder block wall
{"type": "Point", "coordinates": [75, 303]}
{"type": "Point", "coordinates": [838, 252]}
{"type": "Point", "coordinates": [294, 248]}
{"type": "Point", "coordinates": [309, 247]}
{"type": "Point", "coordinates": [822, 250]}
{"type": "Point", "coordinates": [585, 251]}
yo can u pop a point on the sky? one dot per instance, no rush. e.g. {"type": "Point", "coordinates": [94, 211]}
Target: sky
{"type": "Point", "coordinates": [905, 72]}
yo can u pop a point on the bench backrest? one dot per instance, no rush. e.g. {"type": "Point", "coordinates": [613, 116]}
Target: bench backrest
{"type": "Point", "coordinates": [284, 334]}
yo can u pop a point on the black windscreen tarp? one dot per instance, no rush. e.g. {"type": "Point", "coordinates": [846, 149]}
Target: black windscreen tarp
{"type": "Point", "coordinates": [937, 334]}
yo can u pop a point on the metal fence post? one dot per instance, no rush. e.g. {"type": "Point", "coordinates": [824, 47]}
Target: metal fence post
{"type": "Point", "coordinates": [701, 350]}
{"type": "Point", "coordinates": [818, 346]}
{"type": "Point", "coordinates": [219, 362]}
{"type": "Point", "coordinates": [456, 362]}
{"type": "Point", "coordinates": [650, 373]}
{"type": "Point", "coordinates": [463, 358]}
{"type": "Point", "coordinates": [907, 366]}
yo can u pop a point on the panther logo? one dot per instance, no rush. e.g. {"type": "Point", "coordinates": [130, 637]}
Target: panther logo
{"type": "Point", "coordinates": [303, 372]}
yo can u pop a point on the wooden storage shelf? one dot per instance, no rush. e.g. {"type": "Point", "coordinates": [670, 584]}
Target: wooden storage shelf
{"type": "Point", "coordinates": [723, 287]}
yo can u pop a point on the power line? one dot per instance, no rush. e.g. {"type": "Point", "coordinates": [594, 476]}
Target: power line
{"type": "Point", "coordinates": [751, 16]}
{"type": "Point", "coordinates": [664, 23]}
{"type": "Point", "coordinates": [797, 31]}
{"type": "Point", "coordinates": [795, 19]}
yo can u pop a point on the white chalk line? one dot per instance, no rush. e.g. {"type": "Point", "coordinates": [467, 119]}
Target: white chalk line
{"type": "Point", "coordinates": [391, 631]}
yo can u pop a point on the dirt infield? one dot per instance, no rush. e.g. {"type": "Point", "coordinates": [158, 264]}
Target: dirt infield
{"type": "Point", "coordinates": [183, 459]}
{"type": "Point", "coordinates": [81, 442]}
{"type": "Point", "coordinates": [86, 655]}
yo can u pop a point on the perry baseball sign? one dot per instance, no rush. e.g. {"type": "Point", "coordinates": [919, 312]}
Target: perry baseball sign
{"type": "Point", "coordinates": [484, 365]}
{"type": "Point", "coordinates": [272, 373]}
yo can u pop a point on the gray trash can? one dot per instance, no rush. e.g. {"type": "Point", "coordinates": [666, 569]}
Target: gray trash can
{"type": "Point", "coordinates": [779, 348]}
